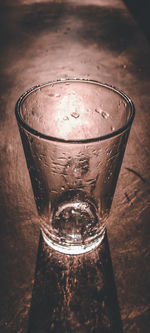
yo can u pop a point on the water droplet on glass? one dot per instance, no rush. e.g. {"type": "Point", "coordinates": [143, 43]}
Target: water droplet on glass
{"type": "Point", "coordinates": [112, 128]}
{"type": "Point", "coordinates": [75, 114]}
{"type": "Point", "coordinates": [57, 95]}
{"type": "Point", "coordinates": [98, 110]}
{"type": "Point", "coordinates": [89, 110]}
{"type": "Point", "coordinates": [104, 114]}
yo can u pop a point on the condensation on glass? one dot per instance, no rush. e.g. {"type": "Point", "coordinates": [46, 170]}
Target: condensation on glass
{"type": "Point", "coordinates": [74, 133]}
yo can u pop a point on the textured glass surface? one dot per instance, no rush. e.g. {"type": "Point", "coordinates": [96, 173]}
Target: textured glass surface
{"type": "Point", "coordinates": [74, 134]}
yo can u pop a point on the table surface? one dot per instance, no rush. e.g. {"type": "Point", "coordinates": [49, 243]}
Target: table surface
{"type": "Point", "coordinates": [42, 41]}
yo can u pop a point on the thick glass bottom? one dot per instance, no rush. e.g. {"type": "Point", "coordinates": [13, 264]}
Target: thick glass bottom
{"type": "Point", "coordinates": [73, 249]}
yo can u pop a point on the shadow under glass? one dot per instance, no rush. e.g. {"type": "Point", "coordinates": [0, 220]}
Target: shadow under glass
{"type": "Point", "coordinates": [74, 293]}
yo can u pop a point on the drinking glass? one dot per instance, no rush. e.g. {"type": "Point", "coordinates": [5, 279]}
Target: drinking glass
{"type": "Point", "coordinates": [74, 133]}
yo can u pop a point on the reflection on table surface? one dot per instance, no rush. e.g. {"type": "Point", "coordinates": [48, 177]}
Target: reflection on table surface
{"type": "Point", "coordinates": [74, 293]}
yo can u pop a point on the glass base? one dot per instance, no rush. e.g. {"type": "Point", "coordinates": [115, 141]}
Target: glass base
{"type": "Point", "coordinates": [74, 249]}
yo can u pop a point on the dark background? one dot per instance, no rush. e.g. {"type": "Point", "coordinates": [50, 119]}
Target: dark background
{"type": "Point", "coordinates": [140, 10]}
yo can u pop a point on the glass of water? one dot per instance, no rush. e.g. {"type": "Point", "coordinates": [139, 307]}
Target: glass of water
{"type": "Point", "coordinates": [74, 133]}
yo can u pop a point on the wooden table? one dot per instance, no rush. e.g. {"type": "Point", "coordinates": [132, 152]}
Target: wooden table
{"type": "Point", "coordinates": [97, 39]}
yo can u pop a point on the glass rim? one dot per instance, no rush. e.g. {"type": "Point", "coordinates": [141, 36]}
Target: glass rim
{"type": "Point", "coordinates": [77, 141]}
